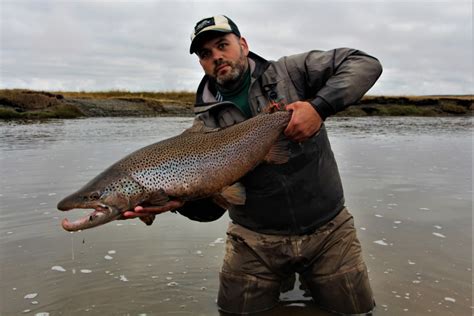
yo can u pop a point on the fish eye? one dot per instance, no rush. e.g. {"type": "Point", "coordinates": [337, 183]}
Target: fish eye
{"type": "Point", "coordinates": [94, 196]}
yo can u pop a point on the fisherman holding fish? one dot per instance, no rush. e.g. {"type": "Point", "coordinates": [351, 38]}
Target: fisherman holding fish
{"type": "Point", "coordinates": [293, 217]}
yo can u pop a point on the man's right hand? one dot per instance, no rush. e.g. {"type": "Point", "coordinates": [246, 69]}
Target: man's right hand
{"type": "Point", "coordinates": [140, 211]}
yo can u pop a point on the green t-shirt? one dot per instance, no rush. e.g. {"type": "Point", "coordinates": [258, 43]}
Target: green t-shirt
{"type": "Point", "coordinates": [240, 95]}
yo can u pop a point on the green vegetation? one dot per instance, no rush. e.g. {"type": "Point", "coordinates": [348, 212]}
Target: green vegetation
{"type": "Point", "coordinates": [405, 110]}
{"type": "Point", "coordinates": [453, 109]}
{"type": "Point", "coordinates": [352, 111]}
{"type": "Point", "coordinates": [8, 114]}
{"type": "Point", "coordinates": [59, 111]}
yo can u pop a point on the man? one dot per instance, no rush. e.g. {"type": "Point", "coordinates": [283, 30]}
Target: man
{"type": "Point", "coordinates": [294, 219]}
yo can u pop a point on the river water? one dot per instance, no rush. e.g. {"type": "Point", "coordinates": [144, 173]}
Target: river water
{"type": "Point", "coordinates": [408, 182]}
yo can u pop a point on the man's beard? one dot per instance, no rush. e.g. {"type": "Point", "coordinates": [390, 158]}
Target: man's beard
{"type": "Point", "coordinates": [230, 78]}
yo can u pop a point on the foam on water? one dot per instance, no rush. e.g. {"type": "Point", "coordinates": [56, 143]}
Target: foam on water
{"type": "Point", "coordinates": [172, 284]}
{"type": "Point", "coordinates": [219, 240]}
{"type": "Point", "coordinates": [123, 278]}
{"type": "Point", "coordinates": [58, 268]}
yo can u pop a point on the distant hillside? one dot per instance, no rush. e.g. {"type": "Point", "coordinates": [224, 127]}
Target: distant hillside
{"type": "Point", "coordinates": [29, 104]}
{"type": "Point", "coordinates": [412, 106]}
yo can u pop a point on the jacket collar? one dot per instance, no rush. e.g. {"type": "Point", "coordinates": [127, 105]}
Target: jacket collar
{"type": "Point", "coordinates": [207, 89]}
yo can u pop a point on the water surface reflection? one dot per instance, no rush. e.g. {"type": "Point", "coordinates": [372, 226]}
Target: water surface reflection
{"type": "Point", "coordinates": [408, 181]}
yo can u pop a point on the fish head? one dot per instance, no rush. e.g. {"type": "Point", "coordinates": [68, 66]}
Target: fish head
{"type": "Point", "coordinates": [108, 196]}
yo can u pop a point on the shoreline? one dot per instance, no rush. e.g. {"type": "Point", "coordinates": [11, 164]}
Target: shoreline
{"type": "Point", "coordinates": [30, 104]}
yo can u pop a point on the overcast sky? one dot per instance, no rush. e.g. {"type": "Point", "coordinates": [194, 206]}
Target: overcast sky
{"type": "Point", "coordinates": [425, 46]}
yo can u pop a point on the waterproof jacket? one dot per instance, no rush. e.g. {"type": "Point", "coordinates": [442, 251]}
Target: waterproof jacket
{"type": "Point", "coordinates": [306, 192]}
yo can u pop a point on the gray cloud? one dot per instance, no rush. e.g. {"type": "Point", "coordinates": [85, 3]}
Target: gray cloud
{"type": "Point", "coordinates": [424, 46]}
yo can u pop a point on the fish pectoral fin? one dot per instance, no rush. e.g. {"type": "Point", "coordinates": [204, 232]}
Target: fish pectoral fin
{"type": "Point", "coordinates": [233, 195]}
{"type": "Point", "coordinates": [199, 127]}
{"type": "Point", "coordinates": [158, 198]}
{"type": "Point", "coordinates": [148, 220]}
{"type": "Point", "coordinates": [220, 201]}
{"type": "Point", "coordinates": [279, 153]}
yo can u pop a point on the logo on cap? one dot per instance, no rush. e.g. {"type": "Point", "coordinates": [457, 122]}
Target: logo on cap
{"type": "Point", "coordinates": [202, 24]}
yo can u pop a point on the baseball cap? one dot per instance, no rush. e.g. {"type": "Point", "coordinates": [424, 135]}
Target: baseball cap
{"type": "Point", "coordinates": [217, 23]}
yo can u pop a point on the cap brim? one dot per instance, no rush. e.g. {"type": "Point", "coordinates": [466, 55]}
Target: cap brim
{"type": "Point", "coordinates": [206, 35]}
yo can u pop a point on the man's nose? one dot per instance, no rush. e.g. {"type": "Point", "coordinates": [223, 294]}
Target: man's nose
{"type": "Point", "coordinates": [216, 54]}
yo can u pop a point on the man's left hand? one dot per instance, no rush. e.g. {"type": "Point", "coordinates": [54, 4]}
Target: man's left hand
{"type": "Point", "coordinates": [304, 123]}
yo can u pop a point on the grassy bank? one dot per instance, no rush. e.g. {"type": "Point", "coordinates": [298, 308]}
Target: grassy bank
{"type": "Point", "coordinates": [29, 104]}
{"type": "Point", "coordinates": [177, 96]}
{"type": "Point", "coordinates": [415, 105]}
{"type": "Point", "coordinates": [26, 104]}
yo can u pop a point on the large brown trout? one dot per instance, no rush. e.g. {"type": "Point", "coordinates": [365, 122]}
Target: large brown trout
{"type": "Point", "coordinates": [198, 163]}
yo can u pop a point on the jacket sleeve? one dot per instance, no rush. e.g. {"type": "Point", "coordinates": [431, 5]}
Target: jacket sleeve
{"type": "Point", "coordinates": [333, 80]}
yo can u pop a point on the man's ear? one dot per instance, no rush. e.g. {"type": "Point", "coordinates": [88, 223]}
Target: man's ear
{"type": "Point", "coordinates": [244, 45]}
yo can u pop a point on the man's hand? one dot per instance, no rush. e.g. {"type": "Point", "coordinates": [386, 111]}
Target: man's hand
{"type": "Point", "coordinates": [141, 211]}
{"type": "Point", "coordinates": [305, 121]}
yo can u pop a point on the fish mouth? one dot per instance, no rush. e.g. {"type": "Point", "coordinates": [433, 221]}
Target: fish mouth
{"type": "Point", "coordinates": [102, 214]}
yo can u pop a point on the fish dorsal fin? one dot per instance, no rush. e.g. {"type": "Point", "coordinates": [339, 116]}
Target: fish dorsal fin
{"type": "Point", "coordinates": [279, 152]}
{"type": "Point", "coordinates": [158, 198]}
{"type": "Point", "coordinates": [233, 195]}
{"type": "Point", "coordinates": [199, 127]}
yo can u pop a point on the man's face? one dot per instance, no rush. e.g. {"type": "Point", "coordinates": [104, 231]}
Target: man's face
{"type": "Point", "coordinates": [224, 58]}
